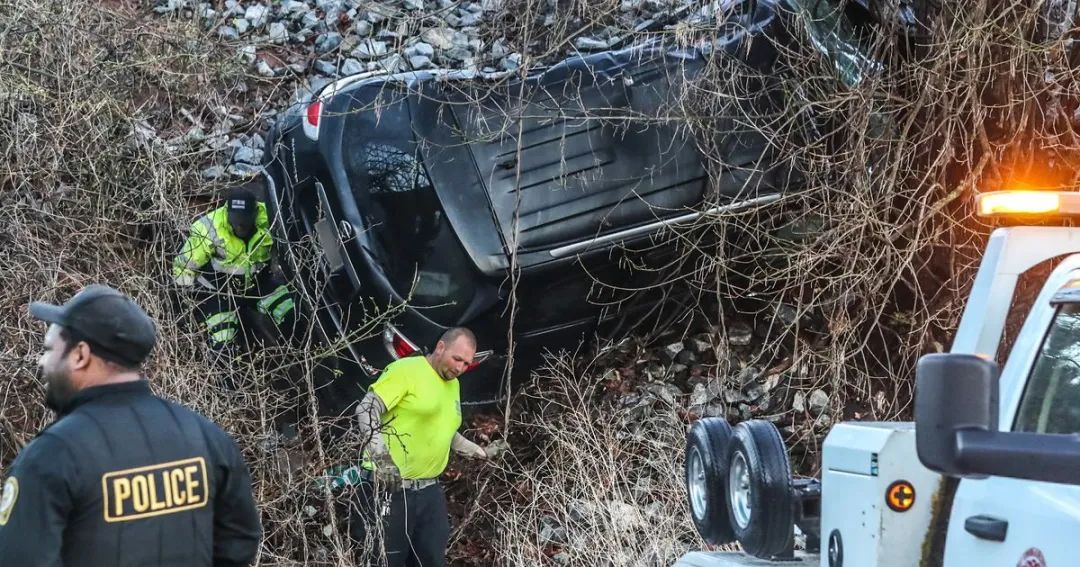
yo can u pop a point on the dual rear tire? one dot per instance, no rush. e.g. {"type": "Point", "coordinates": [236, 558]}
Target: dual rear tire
{"type": "Point", "coordinates": [739, 485]}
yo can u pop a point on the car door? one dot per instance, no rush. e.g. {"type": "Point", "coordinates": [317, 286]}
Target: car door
{"type": "Point", "coordinates": [1003, 521]}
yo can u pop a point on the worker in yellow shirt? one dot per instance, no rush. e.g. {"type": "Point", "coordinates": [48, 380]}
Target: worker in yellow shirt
{"type": "Point", "coordinates": [409, 422]}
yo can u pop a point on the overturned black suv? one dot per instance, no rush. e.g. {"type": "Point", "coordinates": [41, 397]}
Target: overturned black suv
{"type": "Point", "coordinates": [449, 192]}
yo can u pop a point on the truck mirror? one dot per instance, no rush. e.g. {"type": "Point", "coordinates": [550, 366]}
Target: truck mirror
{"type": "Point", "coordinates": [956, 422]}
{"type": "Point", "coordinates": [953, 393]}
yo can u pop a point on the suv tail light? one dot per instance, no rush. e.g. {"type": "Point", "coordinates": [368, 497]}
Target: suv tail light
{"type": "Point", "coordinates": [397, 344]}
{"type": "Point", "coordinates": [311, 119]}
{"type": "Point", "coordinates": [479, 358]}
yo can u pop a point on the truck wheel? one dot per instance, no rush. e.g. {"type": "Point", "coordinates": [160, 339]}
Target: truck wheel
{"type": "Point", "coordinates": [706, 479]}
{"type": "Point", "coordinates": [760, 502]}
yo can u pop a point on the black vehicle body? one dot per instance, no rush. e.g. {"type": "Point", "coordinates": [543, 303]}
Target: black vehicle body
{"type": "Point", "coordinates": [446, 190]}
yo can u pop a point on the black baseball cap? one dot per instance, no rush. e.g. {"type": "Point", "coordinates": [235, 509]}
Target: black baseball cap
{"type": "Point", "coordinates": [241, 205]}
{"type": "Point", "coordinates": [110, 322]}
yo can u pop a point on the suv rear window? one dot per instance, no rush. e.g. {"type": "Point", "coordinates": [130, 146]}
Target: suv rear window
{"type": "Point", "coordinates": [417, 248]}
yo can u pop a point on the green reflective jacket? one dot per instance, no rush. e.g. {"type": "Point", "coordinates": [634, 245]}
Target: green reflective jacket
{"type": "Point", "coordinates": [212, 242]}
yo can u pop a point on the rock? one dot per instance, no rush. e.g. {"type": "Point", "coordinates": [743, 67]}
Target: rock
{"type": "Point", "coordinates": [551, 533]}
{"type": "Point", "coordinates": [378, 13]}
{"type": "Point", "coordinates": [823, 422]}
{"type": "Point", "coordinates": [264, 69]}
{"type": "Point", "coordinates": [243, 170]}
{"type": "Point", "coordinates": [739, 334]}
{"type": "Point", "coordinates": [278, 33]}
{"type": "Point", "coordinates": [351, 67]}
{"type": "Point", "coordinates": [561, 558]}
{"type": "Point", "coordinates": [420, 49]}
{"type": "Point", "coordinates": [316, 84]}
{"type": "Point", "coordinates": [414, 5]}
{"type": "Point", "coordinates": [669, 393]}
{"type": "Point", "coordinates": [325, 68]}
{"type": "Point", "coordinates": [245, 154]}
{"type": "Point", "coordinates": [362, 28]}
{"type": "Point", "coordinates": [370, 49]}
{"type": "Point", "coordinates": [327, 42]}
{"type": "Point", "coordinates": [772, 381]}
{"type": "Point", "coordinates": [392, 64]}
{"type": "Point", "coordinates": [787, 315]}
{"type": "Point", "coordinates": [498, 49]}
{"type": "Point", "coordinates": [818, 402]}
{"type": "Point", "coordinates": [672, 350]}
{"type": "Point", "coordinates": [491, 5]}
{"type": "Point", "coordinates": [511, 62]}
{"type": "Point", "coordinates": [310, 20]}
{"type": "Point", "coordinates": [686, 357]}
{"type": "Point", "coordinates": [590, 43]}
{"type": "Point", "coordinates": [170, 7]}
{"type": "Point", "coordinates": [294, 8]}
{"type": "Point", "coordinates": [328, 5]}
{"type": "Point", "coordinates": [630, 5]}
{"type": "Point", "coordinates": [699, 396]}
{"type": "Point", "coordinates": [242, 25]}
{"type": "Point", "coordinates": [458, 54]}
{"type": "Point", "coordinates": [257, 14]}
{"type": "Point", "coordinates": [700, 344]}
{"type": "Point", "coordinates": [228, 33]}
{"type": "Point", "coordinates": [748, 375]}
{"type": "Point", "coordinates": [655, 371]}
{"type": "Point", "coordinates": [715, 409]}
{"type": "Point", "coordinates": [799, 403]}
{"type": "Point", "coordinates": [419, 62]}
{"type": "Point", "coordinates": [213, 172]}
{"type": "Point", "coordinates": [440, 38]}
{"type": "Point", "coordinates": [472, 8]}
{"type": "Point", "coordinates": [753, 392]}
{"type": "Point", "coordinates": [468, 20]}
{"type": "Point", "coordinates": [745, 413]}
{"type": "Point", "coordinates": [733, 396]}
{"type": "Point", "coordinates": [247, 54]}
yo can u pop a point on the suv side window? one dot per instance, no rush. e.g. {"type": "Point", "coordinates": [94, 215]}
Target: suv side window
{"type": "Point", "coordinates": [1051, 401]}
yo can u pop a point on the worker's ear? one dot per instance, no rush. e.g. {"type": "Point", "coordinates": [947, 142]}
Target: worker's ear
{"type": "Point", "coordinates": [79, 357]}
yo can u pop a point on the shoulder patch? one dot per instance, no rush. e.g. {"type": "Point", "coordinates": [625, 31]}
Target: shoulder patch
{"type": "Point", "coordinates": [8, 498]}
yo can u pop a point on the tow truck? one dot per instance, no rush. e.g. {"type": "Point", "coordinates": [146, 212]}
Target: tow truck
{"type": "Point", "coordinates": [988, 474]}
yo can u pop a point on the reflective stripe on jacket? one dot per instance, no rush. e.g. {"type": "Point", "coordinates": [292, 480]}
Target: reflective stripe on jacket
{"type": "Point", "coordinates": [212, 242]}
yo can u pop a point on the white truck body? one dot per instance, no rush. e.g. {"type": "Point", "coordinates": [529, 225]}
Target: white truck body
{"type": "Point", "coordinates": [861, 460]}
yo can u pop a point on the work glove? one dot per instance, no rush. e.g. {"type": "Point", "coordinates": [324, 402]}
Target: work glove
{"type": "Point", "coordinates": [495, 449]}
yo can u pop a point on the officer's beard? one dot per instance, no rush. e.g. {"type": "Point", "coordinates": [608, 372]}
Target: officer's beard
{"type": "Point", "coordinates": [58, 388]}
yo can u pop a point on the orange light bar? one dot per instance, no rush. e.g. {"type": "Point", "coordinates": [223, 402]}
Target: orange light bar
{"type": "Point", "coordinates": [1009, 203]}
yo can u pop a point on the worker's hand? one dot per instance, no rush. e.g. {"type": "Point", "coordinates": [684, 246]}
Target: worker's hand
{"type": "Point", "coordinates": [495, 449]}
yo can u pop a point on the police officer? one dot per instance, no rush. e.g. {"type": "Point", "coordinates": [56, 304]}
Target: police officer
{"type": "Point", "coordinates": [226, 260]}
{"type": "Point", "coordinates": [409, 421]}
{"type": "Point", "coordinates": [122, 477]}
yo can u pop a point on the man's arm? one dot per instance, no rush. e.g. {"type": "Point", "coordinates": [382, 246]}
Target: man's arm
{"type": "Point", "coordinates": [237, 531]}
{"type": "Point", "coordinates": [35, 503]}
{"type": "Point", "coordinates": [463, 446]}
{"type": "Point", "coordinates": [369, 414]}
{"type": "Point", "coordinates": [193, 255]}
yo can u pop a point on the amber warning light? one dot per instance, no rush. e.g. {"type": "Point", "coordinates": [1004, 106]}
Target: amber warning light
{"type": "Point", "coordinates": [1015, 203]}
